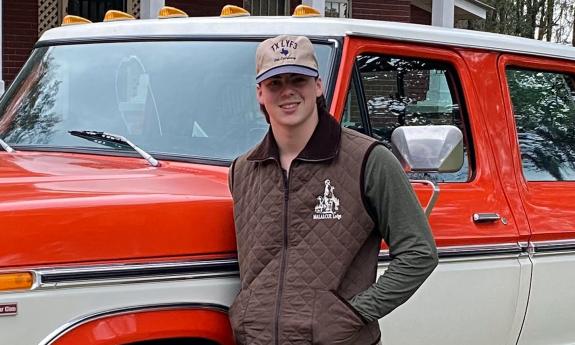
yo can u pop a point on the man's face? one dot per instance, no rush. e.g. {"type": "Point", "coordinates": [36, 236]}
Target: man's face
{"type": "Point", "coordinates": [290, 99]}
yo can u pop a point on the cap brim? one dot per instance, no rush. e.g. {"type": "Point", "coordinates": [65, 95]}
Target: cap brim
{"type": "Point", "coordinates": [296, 69]}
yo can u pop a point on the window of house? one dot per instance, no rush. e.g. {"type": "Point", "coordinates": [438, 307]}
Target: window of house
{"type": "Point", "coordinates": [406, 92]}
{"type": "Point", "coordinates": [544, 111]}
{"type": "Point", "coordinates": [338, 8]}
{"type": "Point", "coordinates": [267, 7]}
{"type": "Point", "coordinates": [94, 10]}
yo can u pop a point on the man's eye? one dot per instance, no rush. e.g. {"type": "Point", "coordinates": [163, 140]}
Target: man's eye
{"type": "Point", "coordinates": [298, 80]}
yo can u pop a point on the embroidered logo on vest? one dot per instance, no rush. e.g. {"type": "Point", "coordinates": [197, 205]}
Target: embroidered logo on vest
{"type": "Point", "coordinates": [328, 204]}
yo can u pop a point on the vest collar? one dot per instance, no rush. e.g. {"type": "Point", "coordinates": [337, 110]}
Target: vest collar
{"type": "Point", "coordinates": [322, 145]}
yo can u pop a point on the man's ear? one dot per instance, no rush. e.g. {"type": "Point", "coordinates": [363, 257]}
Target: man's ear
{"type": "Point", "coordinates": [259, 94]}
{"type": "Point", "coordinates": [318, 87]}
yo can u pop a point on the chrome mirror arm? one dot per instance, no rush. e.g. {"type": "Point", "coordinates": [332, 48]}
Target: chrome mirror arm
{"type": "Point", "coordinates": [434, 195]}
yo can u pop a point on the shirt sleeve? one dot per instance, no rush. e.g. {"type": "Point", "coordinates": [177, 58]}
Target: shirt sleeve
{"type": "Point", "coordinates": [402, 223]}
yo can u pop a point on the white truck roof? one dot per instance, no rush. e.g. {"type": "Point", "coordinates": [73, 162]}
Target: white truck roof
{"type": "Point", "coordinates": [258, 27]}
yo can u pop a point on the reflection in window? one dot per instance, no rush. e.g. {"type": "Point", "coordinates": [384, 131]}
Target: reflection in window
{"type": "Point", "coordinates": [180, 98]}
{"type": "Point", "coordinates": [544, 109]}
{"type": "Point", "coordinates": [409, 92]}
{"type": "Point", "coordinates": [351, 114]}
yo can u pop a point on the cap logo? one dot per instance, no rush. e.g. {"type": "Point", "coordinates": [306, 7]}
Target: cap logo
{"type": "Point", "coordinates": [285, 54]}
{"type": "Point", "coordinates": [283, 47]}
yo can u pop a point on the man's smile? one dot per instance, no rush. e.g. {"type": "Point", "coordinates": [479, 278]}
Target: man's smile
{"type": "Point", "coordinates": [289, 106]}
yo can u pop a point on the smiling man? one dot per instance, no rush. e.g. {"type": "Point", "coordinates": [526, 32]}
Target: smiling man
{"type": "Point", "coordinates": [311, 204]}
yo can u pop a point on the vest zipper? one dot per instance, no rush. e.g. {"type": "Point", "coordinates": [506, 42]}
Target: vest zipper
{"type": "Point", "coordinates": [284, 254]}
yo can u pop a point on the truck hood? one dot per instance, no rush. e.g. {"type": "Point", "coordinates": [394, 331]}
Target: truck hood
{"type": "Point", "coordinates": [58, 208]}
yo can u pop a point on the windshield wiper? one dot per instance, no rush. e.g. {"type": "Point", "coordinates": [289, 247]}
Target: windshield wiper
{"type": "Point", "coordinates": [5, 146]}
{"type": "Point", "coordinates": [115, 141]}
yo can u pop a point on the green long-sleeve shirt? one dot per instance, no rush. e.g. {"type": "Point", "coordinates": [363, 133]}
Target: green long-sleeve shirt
{"type": "Point", "coordinates": [404, 227]}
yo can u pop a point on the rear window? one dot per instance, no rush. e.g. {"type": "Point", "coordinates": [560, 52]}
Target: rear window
{"type": "Point", "coordinates": [544, 111]}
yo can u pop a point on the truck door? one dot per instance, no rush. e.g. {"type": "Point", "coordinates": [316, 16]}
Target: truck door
{"type": "Point", "coordinates": [540, 103]}
{"type": "Point", "coordinates": [477, 295]}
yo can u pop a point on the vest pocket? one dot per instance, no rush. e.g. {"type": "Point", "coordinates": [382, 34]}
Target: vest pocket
{"type": "Point", "coordinates": [236, 315]}
{"type": "Point", "coordinates": [334, 320]}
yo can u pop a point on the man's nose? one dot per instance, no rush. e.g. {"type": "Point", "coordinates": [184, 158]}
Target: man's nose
{"type": "Point", "coordinates": [288, 89]}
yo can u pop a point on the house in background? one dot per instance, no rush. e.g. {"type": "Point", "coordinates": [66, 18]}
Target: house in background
{"type": "Point", "coordinates": [23, 21]}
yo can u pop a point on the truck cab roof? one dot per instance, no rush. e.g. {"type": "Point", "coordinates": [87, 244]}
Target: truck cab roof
{"type": "Point", "coordinates": [258, 27]}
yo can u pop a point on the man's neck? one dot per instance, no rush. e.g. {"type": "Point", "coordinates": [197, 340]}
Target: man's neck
{"type": "Point", "coordinates": [292, 140]}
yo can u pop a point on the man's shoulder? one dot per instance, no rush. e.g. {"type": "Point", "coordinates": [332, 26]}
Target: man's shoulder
{"type": "Point", "coordinates": [350, 133]}
{"type": "Point", "coordinates": [376, 153]}
{"type": "Point", "coordinates": [243, 158]}
{"type": "Point", "coordinates": [357, 140]}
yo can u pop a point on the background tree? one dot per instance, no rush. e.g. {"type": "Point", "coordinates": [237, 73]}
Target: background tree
{"type": "Point", "coordinates": [549, 20]}
{"type": "Point", "coordinates": [543, 106]}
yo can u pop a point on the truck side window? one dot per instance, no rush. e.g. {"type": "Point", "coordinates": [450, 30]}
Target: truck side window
{"type": "Point", "coordinates": [406, 92]}
{"type": "Point", "coordinates": [352, 115]}
{"type": "Point", "coordinates": [544, 111]}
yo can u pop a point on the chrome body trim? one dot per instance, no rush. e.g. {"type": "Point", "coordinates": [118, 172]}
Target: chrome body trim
{"type": "Point", "coordinates": [72, 324]}
{"type": "Point", "coordinates": [51, 278]}
{"type": "Point", "coordinates": [485, 217]}
{"type": "Point", "coordinates": [553, 247]}
{"type": "Point", "coordinates": [134, 273]}
{"type": "Point", "coordinates": [488, 249]}
{"type": "Point", "coordinates": [469, 251]}
{"type": "Point", "coordinates": [334, 42]}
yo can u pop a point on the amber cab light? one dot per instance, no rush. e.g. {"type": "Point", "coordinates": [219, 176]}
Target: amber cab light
{"type": "Point", "coordinates": [16, 281]}
{"type": "Point", "coordinates": [167, 12]}
{"type": "Point", "coordinates": [305, 11]}
{"type": "Point", "coordinates": [74, 20]}
{"type": "Point", "coordinates": [234, 11]}
{"type": "Point", "coordinates": [114, 15]}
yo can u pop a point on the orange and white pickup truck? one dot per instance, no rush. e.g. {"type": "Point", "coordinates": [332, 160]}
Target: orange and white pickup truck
{"type": "Point", "coordinates": [115, 216]}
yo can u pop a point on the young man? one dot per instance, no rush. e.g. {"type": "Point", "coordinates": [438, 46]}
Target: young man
{"type": "Point", "coordinates": [311, 204]}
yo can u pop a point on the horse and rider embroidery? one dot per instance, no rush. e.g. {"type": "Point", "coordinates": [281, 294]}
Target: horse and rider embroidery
{"type": "Point", "coordinates": [327, 204]}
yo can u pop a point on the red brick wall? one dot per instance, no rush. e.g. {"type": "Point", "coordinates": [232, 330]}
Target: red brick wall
{"type": "Point", "coordinates": [392, 10]}
{"type": "Point", "coordinates": [202, 8]}
{"type": "Point", "coordinates": [20, 31]}
{"type": "Point", "coordinates": [419, 16]}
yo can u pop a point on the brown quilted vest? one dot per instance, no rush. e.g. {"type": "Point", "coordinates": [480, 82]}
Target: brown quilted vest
{"type": "Point", "coordinates": [306, 243]}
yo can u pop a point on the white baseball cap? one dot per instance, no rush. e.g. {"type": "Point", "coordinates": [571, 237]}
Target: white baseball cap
{"type": "Point", "coordinates": [285, 54]}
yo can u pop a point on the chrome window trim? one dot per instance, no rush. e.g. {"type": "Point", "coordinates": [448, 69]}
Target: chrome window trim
{"type": "Point", "coordinates": [72, 324]}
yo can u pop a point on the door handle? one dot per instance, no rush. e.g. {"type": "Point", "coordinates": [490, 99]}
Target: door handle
{"type": "Point", "coordinates": [485, 217]}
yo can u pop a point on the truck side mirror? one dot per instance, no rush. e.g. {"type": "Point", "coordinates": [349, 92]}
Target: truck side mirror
{"type": "Point", "coordinates": [428, 148]}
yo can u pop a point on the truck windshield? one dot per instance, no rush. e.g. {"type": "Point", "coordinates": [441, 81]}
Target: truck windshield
{"type": "Point", "coordinates": [178, 98]}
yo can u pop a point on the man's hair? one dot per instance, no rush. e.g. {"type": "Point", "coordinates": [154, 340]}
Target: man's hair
{"type": "Point", "coordinates": [319, 101]}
